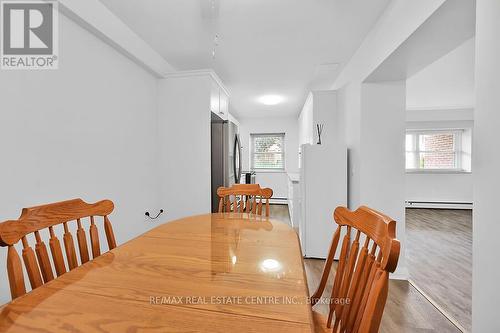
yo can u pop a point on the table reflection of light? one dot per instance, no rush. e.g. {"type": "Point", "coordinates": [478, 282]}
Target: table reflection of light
{"type": "Point", "coordinates": [270, 265]}
{"type": "Point", "coordinates": [234, 259]}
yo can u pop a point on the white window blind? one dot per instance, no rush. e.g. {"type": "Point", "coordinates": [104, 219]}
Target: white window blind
{"type": "Point", "coordinates": [268, 151]}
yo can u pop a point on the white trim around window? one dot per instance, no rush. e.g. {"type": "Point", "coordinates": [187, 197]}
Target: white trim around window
{"type": "Point", "coordinates": [458, 157]}
{"type": "Point", "coordinates": [265, 158]}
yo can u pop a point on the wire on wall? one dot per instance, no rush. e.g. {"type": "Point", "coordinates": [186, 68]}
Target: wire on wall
{"type": "Point", "coordinates": [157, 215]}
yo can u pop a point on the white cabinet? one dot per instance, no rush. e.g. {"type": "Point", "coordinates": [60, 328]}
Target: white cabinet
{"type": "Point", "coordinates": [323, 187]}
{"type": "Point", "coordinates": [214, 97]}
{"type": "Point", "coordinates": [323, 171]}
{"type": "Point", "coordinates": [219, 100]}
{"type": "Point", "coordinates": [294, 199]}
{"type": "Point", "coordinates": [223, 105]}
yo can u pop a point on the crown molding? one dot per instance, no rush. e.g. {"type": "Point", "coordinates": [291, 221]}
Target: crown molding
{"type": "Point", "coordinates": [199, 72]}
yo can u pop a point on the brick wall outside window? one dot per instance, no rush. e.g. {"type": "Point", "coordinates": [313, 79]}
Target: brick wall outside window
{"type": "Point", "coordinates": [439, 151]}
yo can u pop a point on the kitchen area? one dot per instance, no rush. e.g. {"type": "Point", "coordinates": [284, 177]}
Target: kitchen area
{"type": "Point", "coordinates": [309, 168]}
{"type": "Point", "coordinates": [311, 179]}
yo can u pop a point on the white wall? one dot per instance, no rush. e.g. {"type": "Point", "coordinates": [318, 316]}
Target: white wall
{"type": "Point", "coordinates": [486, 163]}
{"type": "Point", "coordinates": [325, 112]}
{"type": "Point", "coordinates": [288, 125]}
{"type": "Point", "coordinates": [185, 153]}
{"type": "Point", "coordinates": [349, 105]}
{"type": "Point", "coordinates": [306, 122]}
{"type": "Point", "coordinates": [85, 130]}
{"type": "Point", "coordinates": [446, 83]}
{"type": "Point", "coordinates": [381, 162]}
{"type": "Point", "coordinates": [321, 108]}
{"type": "Point", "coordinates": [436, 187]}
{"type": "Point", "coordinates": [374, 130]}
{"type": "Point", "coordinates": [440, 115]}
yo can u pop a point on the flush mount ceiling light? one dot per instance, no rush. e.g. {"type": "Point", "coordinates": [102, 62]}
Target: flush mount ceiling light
{"type": "Point", "coordinates": [270, 99]}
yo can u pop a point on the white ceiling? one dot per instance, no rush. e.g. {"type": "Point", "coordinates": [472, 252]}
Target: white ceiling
{"type": "Point", "coordinates": [449, 26]}
{"type": "Point", "coordinates": [282, 47]}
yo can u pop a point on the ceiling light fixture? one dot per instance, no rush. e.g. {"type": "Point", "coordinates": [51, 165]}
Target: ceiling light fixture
{"type": "Point", "coordinates": [271, 99]}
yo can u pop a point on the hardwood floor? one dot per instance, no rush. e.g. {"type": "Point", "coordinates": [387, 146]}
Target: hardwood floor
{"type": "Point", "coordinates": [280, 213]}
{"type": "Point", "coordinates": [439, 254]}
{"type": "Point", "coordinates": [406, 311]}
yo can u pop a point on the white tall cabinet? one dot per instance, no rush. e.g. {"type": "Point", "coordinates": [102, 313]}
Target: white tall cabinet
{"type": "Point", "coordinates": [186, 101]}
{"type": "Point", "coordinates": [294, 198]}
{"type": "Point", "coordinates": [323, 172]}
{"type": "Point", "coordinates": [323, 187]}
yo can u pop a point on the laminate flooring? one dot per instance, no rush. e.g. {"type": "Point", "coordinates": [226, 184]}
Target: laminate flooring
{"type": "Point", "coordinates": [439, 255]}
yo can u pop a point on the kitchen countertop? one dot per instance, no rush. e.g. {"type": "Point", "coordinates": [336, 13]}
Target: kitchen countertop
{"type": "Point", "coordinates": [294, 177]}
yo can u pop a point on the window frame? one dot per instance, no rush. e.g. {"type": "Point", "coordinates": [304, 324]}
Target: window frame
{"type": "Point", "coordinates": [457, 150]}
{"type": "Point", "coordinates": [253, 153]}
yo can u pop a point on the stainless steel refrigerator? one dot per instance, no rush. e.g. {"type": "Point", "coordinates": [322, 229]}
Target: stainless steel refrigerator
{"type": "Point", "coordinates": [226, 156]}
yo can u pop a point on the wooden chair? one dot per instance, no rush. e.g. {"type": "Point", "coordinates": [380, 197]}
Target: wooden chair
{"type": "Point", "coordinates": [362, 275]}
{"type": "Point", "coordinates": [246, 198]}
{"type": "Point", "coordinates": [34, 219]}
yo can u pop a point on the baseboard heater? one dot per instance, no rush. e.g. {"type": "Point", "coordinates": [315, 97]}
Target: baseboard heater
{"type": "Point", "coordinates": [438, 204]}
{"type": "Point", "coordinates": [278, 201]}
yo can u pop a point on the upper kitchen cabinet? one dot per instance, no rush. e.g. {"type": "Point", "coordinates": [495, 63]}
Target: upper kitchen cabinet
{"type": "Point", "coordinates": [219, 99]}
{"type": "Point", "coordinates": [214, 97]}
{"type": "Point", "coordinates": [224, 104]}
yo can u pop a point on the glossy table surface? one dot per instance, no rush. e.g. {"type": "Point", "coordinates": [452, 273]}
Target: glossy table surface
{"type": "Point", "coordinates": [207, 273]}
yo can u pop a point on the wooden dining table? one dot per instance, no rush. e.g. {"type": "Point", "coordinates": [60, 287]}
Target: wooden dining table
{"type": "Point", "coordinates": [208, 273]}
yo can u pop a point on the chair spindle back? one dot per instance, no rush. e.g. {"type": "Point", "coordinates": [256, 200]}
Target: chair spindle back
{"type": "Point", "coordinates": [368, 253]}
{"type": "Point", "coordinates": [245, 198]}
{"type": "Point", "coordinates": [37, 263]}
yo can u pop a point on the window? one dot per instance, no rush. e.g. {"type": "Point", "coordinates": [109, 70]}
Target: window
{"type": "Point", "coordinates": [268, 151]}
{"type": "Point", "coordinates": [438, 150]}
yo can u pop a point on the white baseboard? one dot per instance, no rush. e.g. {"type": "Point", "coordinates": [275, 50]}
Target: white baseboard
{"type": "Point", "coordinates": [400, 274]}
{"type": "Point", "coordinates": [438, 204]}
